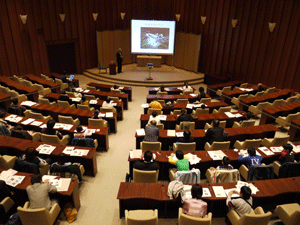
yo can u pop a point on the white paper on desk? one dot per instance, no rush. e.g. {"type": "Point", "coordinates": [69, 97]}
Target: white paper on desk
{"type": "Point", "coordinates": [179, 134]}
{"type": "Point", "coordinates": [10, 117]}
{"type": "Point", "coordinates": [114, 104]}
{"type": "Point", "coordinates": [189, 106]}
{"type": "Point", "coordinates": [296, 148]}
{"type": "Point", "coordinates": [193, 95]}
{"type": "Point", "coordinates": [198, 105]}
{"type": "Point", "coordinates": [28, 121]}
{"type": "Point", "coordinates": [67, 126]}
{"type": "Point", "coordinates": [64, 184]}
{"type": "Point", "coordinates": [156, 89]}
{"type": "Point", "coordinates": [7, 173]}
{"type": "Point", "coordinates": [238, 115]}
{"type": "Point", "coordinates": [17, 119]}
{"type": "Point", "coordinates": [93, 102]}
{"type": "Point", "coordinates": [101, 115]}
{"type": "Point", "coordinates": [109, 114]}
{"type": "Point", "coordinates": [78, 89]}
{"type": "Point", "coordinates": [162, 117]}
{"type": "Point", "coordinates": [230, 115]}
{"type": "Point", "coordinates": [167, 89]}
{"type": "Point", "coordinates": [276, 149]}
{"type": "Point", "coordinates": [89, 132]}
{"type": "Point", "coordinates": [14, 180]}
{"type": "Point", "coordinates": [76, 99]}
{"type": "Point", "coordinates": [171, 133]}
{"type": "Point", "coordinates": [140, 132]}
{"type": "Point", "coordinates": [121, 88]}
{"type": "Point", "coordinates": [245, 153]}
{"type": "Point", "coordinates": [68, 150]}
{"type": "Point", "coordinates": [48, 177]}
{"type": "Point", "coordinates": [216, 155]}
{"type": "Point", "coordinates": [45, 149]}
{"type": "Point", "coordinates": [36, 123]}
{"type": "Point", "coordinates": [86, 91]}
{"type": "Point", "coordinates": [266, 151]}
{"type": "Point", "coordinates": [246, 89]}
{"type": "Point", "coordinates": [219, 191]}
{"type": "Point", "coordinates": [193, 159]}
{"type": "Point", "coordinates": [180, 88]}
{"type": "Point", "coordinates": [145, 105]}
{"type": "Point", "coordinates": [43, 126]}
{"type": "Point", "coordinates": [79, 152]}
{"type": "Point", "coordinates": [206, 192]}
{"type": "Point", "coordinates": [58, 125]}
{"type": "Point", "coordinates": [232, 189]}
{"type": "Point", "coordinates": [28, 103]}
{"type": "Point", "coordinates": [136, 153]}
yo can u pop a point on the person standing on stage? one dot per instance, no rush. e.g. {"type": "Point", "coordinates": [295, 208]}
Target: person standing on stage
{"type": "Point", "coordinates": [119, 60]}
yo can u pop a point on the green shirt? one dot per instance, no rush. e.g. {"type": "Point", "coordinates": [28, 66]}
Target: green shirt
{"type": "Point", "coordinates": [183, 165]}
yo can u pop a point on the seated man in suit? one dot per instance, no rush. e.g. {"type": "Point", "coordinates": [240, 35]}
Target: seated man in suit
{"type": "Point", "coordinates": [146, 163]}
{"type": "Point", "coordinates": [38, 193]}
{"type": "Point", "coordinates": [252, 159]}
{"type": "Point", "coordinates": [287, 154]}
{"type": "Point", "coordinates": [215, 133]}
{"type": "Point", "coordinates": [151, 132]}
{"type": "Point", "coordinates": [186, 137]}
{"type": "Point", "coordinates": [202, 94]}
{"type": "Point", "coordinates": [184, 117]}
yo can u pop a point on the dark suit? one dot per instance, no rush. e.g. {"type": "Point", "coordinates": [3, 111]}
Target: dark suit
{"type": "Point", "coordinates": [142, 165]}
{"type": "Point", "coordinates": [215, 134]}
{"type": "Point", "coordinates": [65, 98]}
{"type": "Point", "coordinates": [183, 140]}
{"type": "Point", "coordinates": [119, 61]}
{"type": "Point", "coordinates": [201, 95]}
{"type": "Point", "coordinates": [151, 133]}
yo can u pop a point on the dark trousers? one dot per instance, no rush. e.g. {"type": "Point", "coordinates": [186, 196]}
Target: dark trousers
{"type": "Point", "coordinates": [119, 66]}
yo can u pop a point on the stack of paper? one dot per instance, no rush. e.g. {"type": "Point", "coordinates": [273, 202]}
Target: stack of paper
{"type": "Point", "coordinates": [162, 117]}
{"type": "Point", "coordinates": [109, 114]}
{"type": "Point", "coordinates": [216, 155]}
{"type": "Point", "coordinates": [197, 105]}
{"type": "Point", "coordinates": [145, 105]}
{"type": "Point", "coordinates": [36, 123]}
{"type": "Point", "coordinates": [79, 152]}
{"type": "Point", "coordinates": [86, 91]}
{"type": "Point", "coordinates": [171, 133]}
{"type": "Point", "coordinates": [296, 148]}
{"type": "Point", "coordinates": [140, 132]}
{"type": "Point", "coordinates": [179, 134]}
{"type": "Point", "coordinates": [276, 149]}
{"type": "Point", "coordinates": [43, 126]}
{"type": "Point", "coordinates": [45, 149]}
{"type": "Point", "coordinates": [240, 184]}
{"type": "Point", "coordinates": [232, 189]}
{"type": "Point", "coordinates": [189, 106]}
{"type": "Point", "coordinates": [76, 99]}
{"type": "Point", "coordinates": [89, 132]}
{"type": "Point", "coordinates": [114, 104]}
{"type": "Point", "coordinates": [219, 191]}
{"type": "Point", "coordinates": [28, 121]}
{"type": "Point", "coordinates": [206, 192]}
{"type": "Point", "coordinates": [230, 115]}
{"type": "Point", "coordinates": [14, 118]}
{"type": "Point", "coordinates": [193, 159]}
{"type": "Point", "coordinates": [266, 151]}
{"type": "Point", "coordinates": [10, 178]}
{"type": "Point", "coordinates": [193, 95]}
{"type": "Point", "coordinates": [28, 103]}
{"type": "Point", "coordinates": [135, 154]}
{"type": "Point", "coordinates": [93, 102]}
{"type": "Point", "coordinates": [64, 184]}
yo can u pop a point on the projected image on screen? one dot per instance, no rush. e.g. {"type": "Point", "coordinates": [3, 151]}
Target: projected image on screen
{"type": "Point", "coordinates": [154, 38]}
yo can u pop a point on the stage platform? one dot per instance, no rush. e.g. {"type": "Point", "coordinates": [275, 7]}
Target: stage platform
{"type": "Point", "coordinates": [136, 76]}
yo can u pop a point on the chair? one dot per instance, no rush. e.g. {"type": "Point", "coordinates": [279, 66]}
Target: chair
{"type": "Point", "coordinates": [22, 98]}
{"type": "Point", "coordinates": [203, 100]}
{"type": "Point", "coordinates": [291, 99]}
{"type": "Point", "coordinates": [286, 121]}
{"type": "Point", "coordinates": [222, 124]}
{"type": "Point", "coordinates": [13, 93]}
{"type": "Point", "coordinates": [187, 177]}
{"type": "Point", "coordinates": [54, 139]}
{"type": "Point", "coordinates": [258, 216]}
{"type": "Point", "coordinates": [155, 146]}
{"type": "Point", "coordinates": [42, 91]}
{"type": "Point", "coordinates": [70, 94]}
{"type": "Point", "coordinates": [161, 101]}
{"type": "Point", "coordinates": [6, 205]}
{"type": "Point", "coordinates": [244, 85]}
{"type": "Point", "coordinates": [175, 112]}
{"type": "Point", "coordinates": [115, 99]}
{"type": "Point", "coordinates": [184, 146]}
{"type": "Point", "coordinates": [219, 92]}
{"type": "Point", "coordinates": [142, 176]}
{"type": "Point", "coordinates": [97, 122]}
{"type": "Point", "coordinates": [85, 107]}
{"type": "Point", "coordinates": [187, 92]}
{"type": "Point", "coordinates": [222, 176]}
{"type": "Point", "coordinates": [184, 219]}
{"type": "Point", "coordinates": [85, 142]}
{"type": "Point", "coordinates": [185, 126]}
{"type": "Point", "coordinates": [278, 102]}
{"type": "Point", "coordinates": [91, 88]}
{"type": "Point", "coordinates": [39, 116]}
{"type": "Point", "coordinates": [258, 109]}
{"type": "Point", "coordinates": [4, 90]}
{"type": "Point", "coordinates": [115, 91]}
{"type": "Point", "coordinates": [68, 120]}
{"type": "Point", "coordinates": [217, 145]}
{"type": "Point", "coordinates": [90, 97]}
{"type": "Point", "coordinates": [275, 141]}
{"type": "Point", "coordinates": [105, 109]}
{"type": "Point", "coordinates": [181, 100]}
{"type": "Point", "coordinates": [223, 109]}
{"type": "Point", "coordinates": [287, 169]}
{"type": "Point", "coordinates": [45, 77]}
{"type": "Point", "coordinates": [27, 83]}
{"type": "Point", "coordinates": [7, 161]}
{"type": "Point", "coordinates": [44, 170]}
{"type": "Point", "coordinates": [289, 214]}
{"type": "Point", "coordinates": [269, 90]}
{"type": "Point", "coordinates": [257, 94]}
{"type": "Point", "coordinates": [101, 67]}
{"type": "Point", "coordinates": [201, 111]}
{"type": "Point", "coordinates": [141, 217]}
{"type": "Point", "coordinates": [17, 79]}
{"type": "Point", "coordinates": [63, 85]}
{"type": "Point", "coordinates": [160, 126]}
{"type": "Point", "coordinates": [150, 111]}
{"type": "Point", "coordinates": [38, 216]}
{"type": "Point", "coordinates": [65, 104]}
{"type": "Point", "coordinates": [162, 93]}
{"type": "Point", "coordinates": [46, 101]}
{"type": "Point", "coordinates": [245, 123]}
{"type": "Point", "coordinates": [236, 100]}
{"type": "Point", "coordinates": [257, 172]}
{"type": "Point", "coordinates": [247, 143]}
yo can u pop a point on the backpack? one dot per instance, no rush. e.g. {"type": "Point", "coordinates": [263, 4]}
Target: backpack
{"type": "Point", "coordinates": [14, 219]}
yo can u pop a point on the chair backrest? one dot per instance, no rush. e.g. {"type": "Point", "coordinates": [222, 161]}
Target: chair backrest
{"type": "Point", "coordinates": [289, 170]}
{"type": "Point", "coordinates": [54, 139]}
{"type": "Point", "coordinates": [220, 145]}
{"type": "Point", "coordinates": [244, 85]}
{"type": "Point", "coordinates": [160, 126]}
{"type": "Point", "coordinates": [7, 163]}
{"type": "Point", "coordinates": [188, 177]}
{"type": "Point", "coordinates": [261, 219]}
{"type": "Point", "coordinates": [35, 115]}
{"type": "Point", "coordinates": [141, 217]}
{"type": "Point", "coordinates": [105, 109]}
{"type": "Point", "coordinates": [84, 107]}
{"type": "Point", "coordinates": [224, 109]}
{"type": "Point", "coordinates": [90, 97]}
{"type": "Point", "coordinates": [186, 146]}
{"type": "Point", "coordinates": [59, 81]}
{"type": "Point", "coordinates": [184, 219]}
{"type": "Point", "coordinates": [269, 90]}
{"type": "Point", "coordinates": [224, 176]}
{"type": "Point", "coordinates": [243, 96]}
{"type": "Point", "coordinates": [205, 100]}
{"type": "Point", "coordinates": [70, 94]}
{"type": "Point", "coordinates": [27, 83]}
{"type": "Point", "coordinates": [44, 101]}
{"type": "Point", "coordinates": [142, 176]}
{"type": "Point", "coordinates": [4, 90]}
{"type": "Point", "coordinates": [91, 88]}
{"type": "Point", "coordinates": [222, 124]}
{"type": "Point", "coordinates": [156, 146]}
{"type": "Point", "coordinates": [292, 117]}
{"type": "Point", "coordinates": [17, 79]}
{"type": "Point", "coordinates": [260, 172]}
{"type": "Point", "coordinates": [228, 88]}
{"type": "Point", "coordinates": [115, 90]}
{"type": "Point", "coordinates": [38, 87]}
{"type": "Point", "coordinates": [202, 111]}
{"type": "Point", "coordinates": [44, 77]}
{"type": "Point", "coordinates": [22, 97]}
{"type": "Point", "coordinates": [187, 125]}
{"type": "Point", "coordinates": [115, 99]}
{"type": "Point", "coordinates": [13, 93]}
{"type": "Point", "coordinates": [252, 143]}
{"type": "Point", "coordinates": [187, 92]}
{"type": "Point", "coordinates": [150, 111]}
{"type": "Point", "coordinates": [66, 119]}
{"type": "Point", "coordinates": [182, 100]}
{"type": "Point", "coordinates": [97, 122]}
{"type": "Point", "coordinates": [248, 123]}
{"type": "Point", "coordinates": [63, 104]}
{"type": "Point", "coordinates": [280, 140]}
{"type": "Point", "coordinates": [278, 102]}
{"type": "Point", "coordinates": [161, 101]}
{"type": "Point", "coordinates": [175, 112]}
{"type": "Point", "coordinates": [162, 93]}
{"type": "Point", "coordinates": [263, 105]}
{"type": "Point", "coordinates": [291, 99]}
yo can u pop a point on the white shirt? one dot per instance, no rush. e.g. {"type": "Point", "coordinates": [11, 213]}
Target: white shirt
{"type": "Point", "coordinates": [154, 118]}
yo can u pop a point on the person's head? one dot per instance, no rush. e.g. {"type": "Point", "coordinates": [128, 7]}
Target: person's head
{"type": "Point", "coordinates": [216, 123]}
{"type": "Point", "coordinates": [260, 84]}
{"type": "Point", "coordinates": [148, 156]}
{"type": "Point", "coordinates": [153, 122]}
{"type": "Point", "coordinates": [179, 154]}
{"type": "Point", "coordinates": [108, 99]}
{"type": "Point", "coordinates": [2, 113]}
{"type": "Point", "coordinates": [186, 84]}
{"type": "Point", "coordinates": [83, 98]}
{"type": "Point", "coordinates": [162, 87]}
{"type": "Point", "coordinates": [96, 113]}
{"type": "Point", "coordinates": [197, 191]}
{"type": "Point", "coordinates": [18, 127]}
{"type": "Point", "coordinates": [79, 128]}
{"type": "Point", "coordinates": [225, 161]}
{"type": "Point", "coordinates": [120, 50]}
{"type": "Point", "coordinates": [71, 86]}
{"type": "Point", "coordinates": [187, 134]}
{"type": "Point", "coordinates": [63, 92]}
{"type": "Point", "coordinates": [36, 178]}
{"type": "Point", "coordinates": [288, 147]}
{"type": "Point", "coordinates": [183, 111]}
{"type": "Point", "coordinates": [50, 124]}
{"type": "Point", "coordinates": [15, 101]}
{"type": "Point", "coordinates": [154, 114]}
{"type": "Point", "coordinates": [203, 106]}
{"type": "Point", "coordinates": [245, 192]}
{"type": "Point", "coordinates": [201, 89]}
{"type": "Point", "coordinates": [251, 151]}
{"type": "Point", "coordinates": [115, 87]}
{"type": "Point", "coordinates": [30, 153]}
{"type": "Point", "coordinates": [61, 158]}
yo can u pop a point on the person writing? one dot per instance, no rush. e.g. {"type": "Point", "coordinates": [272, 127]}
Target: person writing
{"type": "Point", "coordinates": [195, 206]}
{"type": "Point", "coordinates": [146, 162]}
{"type": "Point", "coordinates": [182, 162]}
{"type": "Point", "coordinates": [243, 204]}
{"type": "Point", "coordinates": [252, 159]}
{"type": "Point", "coordinates": [119, 60]}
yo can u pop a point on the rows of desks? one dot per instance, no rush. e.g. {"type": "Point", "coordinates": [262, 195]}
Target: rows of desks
{"type": "Point", "coordinates": [55, 87]}
{"type": "Point", "coordinates": [191, 98]}
{"type": "Point", "coordinates": [212, 89]}
{"type": "Point", "coordinates": [75, 82]}
{"type": "Point", "coordinates": [171, 91]}
{"type": "Point", "coordinates": [240, 133]}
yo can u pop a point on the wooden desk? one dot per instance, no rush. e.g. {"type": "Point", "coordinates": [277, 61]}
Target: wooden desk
{"type": "Point", "coordinates": [119, 107]}
{"type": "Point", "coordinates": [154, 195]}
{"type": "Point", "coordinates": [171, 91]}
{"type": "Point", "coordinates": [172, 98]}
{"type": "Point", "coordinates": [240, 133]}
{"type": "Point", "coordinates": [143, 60]}
{"type": "Point", "coordinates": [17, 147]}
{"type": "Point", "coordinates": [178, 106]}
{"type": "Point", "coordinates": [75, 82]}
{"type": "Point", "coordinates": [53, 86]}
{"type": "Point", "coordinates": [5, 101]}
{"type": "Point", "coordinates": [294, 131]}
{"type": "Point", "coordinates": [212, 89]}
{"type": "Point", "coordinates": [72, 195]}
{"type": "Point", "coordinates": [81, 114]}
{"type": "Point", "coordinates": [268, 114]}
{"type": "Point", "coordinates": [246, 102]}
{"type": "Point", "coordinates": [107, 88]}
{"type": "Point", "coordinates": [101, 136]}
{"type": "Point", "coordinates": [170, 122]}
{"type": "Point", "coordinates": [31, 93]}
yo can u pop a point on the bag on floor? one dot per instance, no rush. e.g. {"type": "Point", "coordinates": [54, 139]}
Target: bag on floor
{"type": "Point", "coordinates": [70, 212]}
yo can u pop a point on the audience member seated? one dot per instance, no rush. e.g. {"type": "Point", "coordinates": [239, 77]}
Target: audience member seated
{"type": "Point", "coordinates": [19, 109]}
{"type": "Point", "coordinates": [186, 87]}
{"type": "Point", "coordinates": [96, 114]}
{"type": "Point", "coordinates": [186, 137]}
{"type": "Point", "coordinates": [108, 103]}
{"type": "Point", "coordinates": [72, 89]}
{"type": "Point", "coordinates": [31, 156]}
{"type": "Point", "coordinates": [243, 204]}
{"type": "Point", "coordinates": [151, 132]}
{"type": "Point", "coordinates": [64, 97]}
{"type": "Point", "coordinates": [84, 101]}
{"type": "Point", "coordinates": [50, 131]}
{"type": "Point", "coordinates": [162, 88]}
{"type": "Point", "coordinates": [181, 161]}
{"type": "Point", "coordinates": [3, 124]}
{"type": "Point", "coordinates": [184, 117]}
{"type": "Point", "coordinates": [287, 154]}
{"type": "Point", "coordinates": [38, 193]}
{"type": "Point", "coordinates": [202, 93]}
{"type": "Point", "coordinates": [215, 133]}
{"type": "Point", "coordinates": [154, 117]}
{"type": "Point", "coordinates": [146, 162]}
{"type": "Point", "coordinates": [225, 164]}
{"type": "Point", "coordinates": [195, 206]}
{"type": "Point", "coordinates": [18, 132]}
{"type": "Point", "coordinates": [155, 104]}
{"type": "Point", "coordinates": [252, 159]}
{"type": "Point", "coordinates": [79, 132]}
{"type": "Point", "coordinates": [259, 89]}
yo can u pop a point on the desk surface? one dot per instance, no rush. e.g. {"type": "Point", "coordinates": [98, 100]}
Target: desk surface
{"type": "Point", "coordinates": [41, 81]}
{"type": "Point", "coordinates": [75, 82]}
{"type": "Point", "coordinates": [173, 98]}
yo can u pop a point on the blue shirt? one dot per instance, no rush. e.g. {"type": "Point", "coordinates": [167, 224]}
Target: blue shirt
{"type": "Point", "coordinates": [251, 160]}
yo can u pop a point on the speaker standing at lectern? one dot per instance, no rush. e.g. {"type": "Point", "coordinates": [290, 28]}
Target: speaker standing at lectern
{"type": "Point", "coordinates": [119, 60]}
